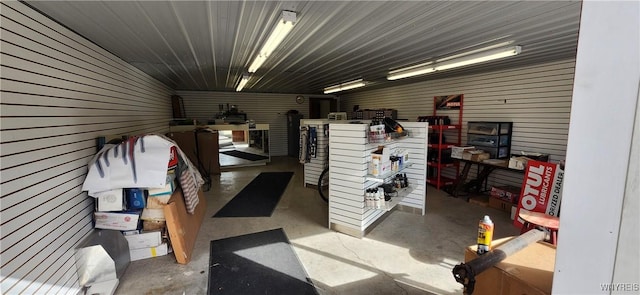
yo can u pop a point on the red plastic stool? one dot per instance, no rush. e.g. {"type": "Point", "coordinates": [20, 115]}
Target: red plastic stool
{"type": "Point", "coordinates": [535, 219]}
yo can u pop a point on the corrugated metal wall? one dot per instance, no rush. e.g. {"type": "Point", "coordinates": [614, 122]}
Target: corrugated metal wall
{"type": "Point", "coordinates": [537, 99]}
{"type": "Point", "coordinates": [59, 92]}
{"type": "Point", "coordinates": [263, 108]}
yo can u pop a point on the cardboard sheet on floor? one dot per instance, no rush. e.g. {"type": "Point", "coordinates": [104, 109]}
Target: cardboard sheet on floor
{"type": "Point", "coordinates": [183, 227]}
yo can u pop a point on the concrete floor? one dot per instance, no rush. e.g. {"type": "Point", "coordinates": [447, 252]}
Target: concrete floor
{"type": "Point", "coordinates": [405, 254]}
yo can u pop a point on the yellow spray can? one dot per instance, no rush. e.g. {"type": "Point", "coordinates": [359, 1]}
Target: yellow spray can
{"type": "Point", "coordinates": [485, 235]}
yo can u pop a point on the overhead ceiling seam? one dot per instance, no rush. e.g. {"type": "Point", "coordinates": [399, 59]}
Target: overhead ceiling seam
{"type": "Point", "coordinates": [164, 40]}
{"type": "Point", "coordinates": [212, 42]}
{"type": "Point", "coordinates": [189, 43]}
{"type": "Point", "coordinates": [133, 32]}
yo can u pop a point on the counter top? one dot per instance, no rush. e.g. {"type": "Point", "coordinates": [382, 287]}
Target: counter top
{"type": "Point", "coordinates": [243, 127]}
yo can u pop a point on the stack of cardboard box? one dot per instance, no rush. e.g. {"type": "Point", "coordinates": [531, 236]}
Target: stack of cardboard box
{"type": "Point", "coordinates": [138, 214]}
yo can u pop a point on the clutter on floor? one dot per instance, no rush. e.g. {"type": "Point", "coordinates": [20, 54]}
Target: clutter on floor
{"type": "Point", "coordinates": [148, 196]}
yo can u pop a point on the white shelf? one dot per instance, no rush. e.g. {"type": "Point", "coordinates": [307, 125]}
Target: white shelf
{"type": "Point", "coordinates": [381, 178]}
{"type": "Point", "coordinates": [348, 181]}
{"type": "Point", "coordinates": [389, 138]}
{"type": "Point", "coordinates": [388, 205]}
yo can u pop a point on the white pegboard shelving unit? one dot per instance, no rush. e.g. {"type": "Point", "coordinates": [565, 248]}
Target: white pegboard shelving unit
{"type": "Point", "coordinates": [314, 167]}
{"type": "Point", "coordinates": [349, 155]}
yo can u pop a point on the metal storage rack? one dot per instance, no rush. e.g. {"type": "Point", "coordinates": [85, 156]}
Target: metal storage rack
{"type": "Point", "coordinates": [441, 149]}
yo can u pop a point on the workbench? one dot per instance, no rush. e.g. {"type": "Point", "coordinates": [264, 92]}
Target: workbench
{"type": "Point", "coordinates": [486, 169]}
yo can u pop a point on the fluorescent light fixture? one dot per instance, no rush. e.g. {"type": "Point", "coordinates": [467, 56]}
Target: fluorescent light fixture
{"type": "Point", "coordinates": [344, 86]}
{"type": "Point", "coordinates": [243, 81]}
{"type": "Point", "coordinates": [473, 57]}
{"type": "Point", "coordinates": [479, 57]}
{"type": "Point", "coordinates": [420, 69]}
{"type": "Point", "coordinates": [284, 26]}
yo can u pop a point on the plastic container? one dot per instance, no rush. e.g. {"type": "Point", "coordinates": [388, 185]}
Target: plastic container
{"type": "Point", "coordinates": [485, 235]}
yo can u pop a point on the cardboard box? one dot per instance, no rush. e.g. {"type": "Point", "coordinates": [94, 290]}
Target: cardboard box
{"type": "Point", "coordinates": [500, 204]}
{"type": "Point", "coordinates": [151, 225]}
{"type": "Point", "coordinates": [144, 253]}
{"type": "Point", "coordinates": [117, 220]}
{"type": "Point", "coordinates": [152, 214]}
{"type": "Point", "coordinates": [112, 200]}
{"type": "Point", "coordinates": [475, 155]}
{"type": "Point", "coordinates": [157, 202]}
{"type": "Point", "coordinates": [507, 193]}
{"type": "Point", "coordinates": [380, 162]}
{"type": "Point", "coordinates": [135, 198]}
{"type": "Point", "coordinates": [518, 163]}
{"type": "Point", "coordinates": [130, 232]}
{"type": "Point", "coordinates": [144, 240]}
{"type": "Point", "coordinates": [528, 271]}
{"type": "Point", "coordinates": [166, 190]}
{"type": "Point", "coordinates": [457, 151]}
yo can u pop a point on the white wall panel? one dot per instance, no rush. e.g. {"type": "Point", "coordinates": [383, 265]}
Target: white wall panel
{"type": "Point", "coordinates": [601, 160]}
{"type": "Point", "coordinates": [263, 108]}
{"type": "Point", "coordinates": [316, 165]}
{"type": "Point", "coordinates": [537, 99]}
{"type": "Point", "coordinates": [59, 92]}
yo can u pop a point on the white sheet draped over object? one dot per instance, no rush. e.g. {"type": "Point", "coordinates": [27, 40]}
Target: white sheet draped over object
{"type": "Point", "coordinates": [138, 162]}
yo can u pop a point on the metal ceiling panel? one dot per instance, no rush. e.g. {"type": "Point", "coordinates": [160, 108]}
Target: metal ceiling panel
{"type": "Point", "coordinates": [208, 45]}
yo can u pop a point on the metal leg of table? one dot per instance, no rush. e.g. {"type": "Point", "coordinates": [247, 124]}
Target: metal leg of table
{"type": "Point", "coordinates": [461, 179]}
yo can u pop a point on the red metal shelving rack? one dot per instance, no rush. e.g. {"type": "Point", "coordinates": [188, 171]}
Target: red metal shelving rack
{"type": "Point", "coordinates": [438, 180]}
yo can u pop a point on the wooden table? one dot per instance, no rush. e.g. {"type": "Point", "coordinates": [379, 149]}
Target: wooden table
{"type": "Point", "coordinates": [487, 168]}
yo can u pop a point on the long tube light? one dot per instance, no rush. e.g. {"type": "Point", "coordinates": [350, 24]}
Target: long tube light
{"type": "Point", "coordinates": [242, 83]}
{"type": "Point", "coordinates": [445, 64]}
{"type": "Point", "coordinates": [420, 69]}
{"type": "Point", "coordinates": [344, 86]}
{"type": "Point", "coordinates": [284, 26]}
{"type": "Point", "coordinates": [479, 57]}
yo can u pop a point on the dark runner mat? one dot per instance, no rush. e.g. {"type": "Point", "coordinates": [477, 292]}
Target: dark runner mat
{"type": "Point", "coordinates": [244, 155]}
{"type": "Point", "coordinates": [258, 263]}
{"type": "Point", "coordinates": [259, 198]}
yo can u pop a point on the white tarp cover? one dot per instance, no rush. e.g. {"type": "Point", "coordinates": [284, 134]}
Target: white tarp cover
{"type": "Point", "coordinates": [138, 162]}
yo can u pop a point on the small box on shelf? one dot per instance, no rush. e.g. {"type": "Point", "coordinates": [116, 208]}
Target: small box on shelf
{"type": "Point", "coordinates": [457, 151]}
{"type": "Point", "coordinates": [376, 133]}
{"type": "Point", "coordinates": [475, 155]}
{"type": "Point", "coordinates": [518, 163]}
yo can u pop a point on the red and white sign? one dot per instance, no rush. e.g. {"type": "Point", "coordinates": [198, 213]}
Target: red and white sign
{"type": "Point", "coordinates": [173, 158]}
{"type": "Point", "coordinates": [541, 189]}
